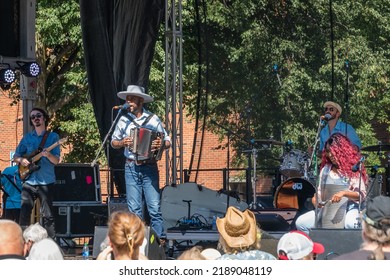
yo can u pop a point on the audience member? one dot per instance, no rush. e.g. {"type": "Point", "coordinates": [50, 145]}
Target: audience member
{"type": "Point", "coordinates": [240, 237]}
{"type": "Point", "coordinates": [45, 249]}
{"type": "Point", "coordinates": [11, 240]}
{"type": "Point", "coordinates": [211, 254]}
{"type": "Point", "coordinates": [126, 232]}
{"type": "Point", "coordinates": [375, 232]}
{"type": "Point", "coordinates": [193, 253]}
{"type": "Point", "coordinates": [297, 245]}
{"type": "Point", "coordinates": [33, 233]}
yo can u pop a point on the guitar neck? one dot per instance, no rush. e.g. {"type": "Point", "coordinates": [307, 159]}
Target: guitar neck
{"type": "Point", "coordinates": [51, 147]}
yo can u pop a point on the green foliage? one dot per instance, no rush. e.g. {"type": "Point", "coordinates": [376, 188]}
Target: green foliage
{"type": "Point", "coordinates": [81, 128]}
{"type": "Point", "coordinates": [242, 40]}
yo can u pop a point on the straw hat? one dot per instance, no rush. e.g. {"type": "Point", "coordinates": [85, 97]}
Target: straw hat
{"type": "Point", "coordinates": [334, 105]}
{"type": "Point", "coordinates": [135, 91]}
{"type": "Point", "coordinates": [237, 228]}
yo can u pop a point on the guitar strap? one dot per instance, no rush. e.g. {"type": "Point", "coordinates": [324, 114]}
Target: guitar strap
{"type": "Point", "coordinates": [43, 141]}
{"type": "Point", "coordinates": [12, 182]}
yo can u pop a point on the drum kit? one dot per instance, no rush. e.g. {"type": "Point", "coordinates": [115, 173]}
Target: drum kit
{"type": "Point", "coordinates": [375, 187]}
{"type": "Point", "coordinates": [296, 187]}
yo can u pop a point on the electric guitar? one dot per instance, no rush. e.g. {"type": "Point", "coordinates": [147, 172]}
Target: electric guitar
{"type": "Point", "coordinates": [25, 171]}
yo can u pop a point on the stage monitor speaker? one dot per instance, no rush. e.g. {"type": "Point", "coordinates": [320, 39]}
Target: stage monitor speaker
{"type": "Point", "coordinates": [272, 222]}
{"type": "Point", "coordinates": [117, 204]}
{"type": "Point", "coordinates": [153, 248]}
{"type": "Point", "coordinates": [76, 183]}
{"type": "Point", "coordinates": [336, 241]}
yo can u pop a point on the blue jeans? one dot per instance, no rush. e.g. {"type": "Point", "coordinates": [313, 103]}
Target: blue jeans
{"type": "Point", "coordinates": [142, 181]}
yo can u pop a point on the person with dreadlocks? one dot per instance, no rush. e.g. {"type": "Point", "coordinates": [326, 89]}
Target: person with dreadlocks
{"type": "Point", "coordinates": [340, 186]}
{"type": "Point", "coordinates": [126, 232]}
{"type": "Point", "coordinates": [375, 232]}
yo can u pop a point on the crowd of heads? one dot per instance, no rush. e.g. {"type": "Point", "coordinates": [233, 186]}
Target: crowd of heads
{"type": "Point", "coordinates": [239, 235]}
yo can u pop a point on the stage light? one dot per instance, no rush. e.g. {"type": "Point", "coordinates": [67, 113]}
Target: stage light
{"type": "Point", "coordinates": [7, 75]}
{"type": "Point", "coordinates": [29, 69]}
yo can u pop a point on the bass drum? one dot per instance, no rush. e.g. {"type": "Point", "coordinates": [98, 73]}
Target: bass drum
{"type": "Point", "coordinates": [295, 193]}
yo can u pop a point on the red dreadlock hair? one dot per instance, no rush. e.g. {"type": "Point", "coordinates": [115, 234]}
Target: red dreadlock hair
{"type": "Point", "coordinates": [346, 155]}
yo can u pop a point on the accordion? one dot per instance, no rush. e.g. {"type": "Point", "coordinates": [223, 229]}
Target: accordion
{"type": "Point", "coordinates": [142, 144]}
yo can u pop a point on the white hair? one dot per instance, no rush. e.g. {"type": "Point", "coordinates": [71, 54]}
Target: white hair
{"type": "Point", "coordinates": [46, 249]}
{"type": "Point", "coordinates": [34, 233]}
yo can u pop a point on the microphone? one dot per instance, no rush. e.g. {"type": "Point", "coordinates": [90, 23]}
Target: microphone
{"type": "Point", "coordinates": [327, 117]}
{"type": "Point", "coordinates": [356, 167]}
{"type": "Point", "coordinates": [122, 107]}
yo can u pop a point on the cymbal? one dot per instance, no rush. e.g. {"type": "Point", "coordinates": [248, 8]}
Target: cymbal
{"type": "Point", "coordinates": [267, 142]}
{"type": "Point", "coordinates": [377, 148]}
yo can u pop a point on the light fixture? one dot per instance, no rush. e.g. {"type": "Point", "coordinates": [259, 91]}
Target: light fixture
{"type": "Point", "coordinates": [29, 69]}
{"type": "Point", "coordinates": [7, 75]}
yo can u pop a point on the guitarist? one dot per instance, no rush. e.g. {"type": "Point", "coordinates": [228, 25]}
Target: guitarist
{"type": "Point", "coordinates": [42, 177]}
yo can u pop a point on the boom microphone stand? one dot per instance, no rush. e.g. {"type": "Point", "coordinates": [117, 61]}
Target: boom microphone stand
{"type": "Point", "coordinates": [313, 160]}
{"type": "Point", "coordinates": [123, 109]}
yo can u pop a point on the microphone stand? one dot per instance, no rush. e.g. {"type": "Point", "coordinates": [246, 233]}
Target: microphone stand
{"type": "Point", "coordinates": [104, 143]}
{"type": "Point", "coordinates": [313, 159]}
{"type": "Point", "coordinates": [359, 223]}
{"type": "Point", "coordinates": [347, 67]}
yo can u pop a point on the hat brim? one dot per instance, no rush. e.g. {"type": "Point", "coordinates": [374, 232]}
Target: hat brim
{"type": "Point", "coordinates": [318, 248]}
{"type": "Point", "coordinates": [239, 241]}
{"type": "Point", "coordinates": [146, 97]}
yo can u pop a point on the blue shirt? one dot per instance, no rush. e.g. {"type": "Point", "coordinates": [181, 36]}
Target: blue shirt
{"type": "Point", "coordinates": [339, 128]}
{"type": "Point", "coordinates": [14, 191]}
{"type": "Point", "coordinates": [125, 125]}
{"type": "Point", "coordinates": [30, 142]}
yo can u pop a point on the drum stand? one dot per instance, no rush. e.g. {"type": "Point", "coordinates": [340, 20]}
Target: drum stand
{"type": "Point", "coordinates": [254, 205]}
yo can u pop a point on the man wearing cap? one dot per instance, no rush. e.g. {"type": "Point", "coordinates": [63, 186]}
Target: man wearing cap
{"type": "Point", "coordinates": [142, 177]}
{"type": "Point", "coordinates": [375, 232]}
{"type": "Point", "coordinates": [334, 125]}
{"type": "Point", "coordinates": [297, 245]}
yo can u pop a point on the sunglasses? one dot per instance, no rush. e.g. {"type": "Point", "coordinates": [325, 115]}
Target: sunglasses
{"type": "Point", "coordinates": [331, 109]}
{"type": "Point", "coordinates": [36, 116]}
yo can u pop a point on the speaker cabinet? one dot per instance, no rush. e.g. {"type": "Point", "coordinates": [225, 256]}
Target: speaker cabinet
{"type": "Point", "coordinates": [10, 28]}
{"type": "Point", "coordinates": [151, 248]}
{"type": "Point", "coordinates": [77, 183]}
{"type": "Point", "coordinates": [337, 241]}
{"type": "Point", "coordinates": [73, 220]}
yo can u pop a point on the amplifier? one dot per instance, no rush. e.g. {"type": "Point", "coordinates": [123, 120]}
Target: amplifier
{"type": "Point", "coordinates": [77, 183]}
{"type": "Point", "coordinates": [72, 219]}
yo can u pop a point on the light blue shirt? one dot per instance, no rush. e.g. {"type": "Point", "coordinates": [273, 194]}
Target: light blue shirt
{"type": "Point", "coordinates": [125, 125]}
{"type": "Point", "coordinates": [30, 142]}
{"type": "Point", "coordinates": [14, 191]}
{"type": "Point", "coordinates": [341, 127]}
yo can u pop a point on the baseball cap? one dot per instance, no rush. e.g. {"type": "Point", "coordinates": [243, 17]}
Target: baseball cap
{"type": "Point", "coordinates": [295, 245]}
{"type": "Point", "coordinates": [377, 209]}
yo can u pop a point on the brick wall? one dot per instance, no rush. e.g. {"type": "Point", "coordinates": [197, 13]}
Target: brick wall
{"type": "Point", "coordinates": [11, 129]}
